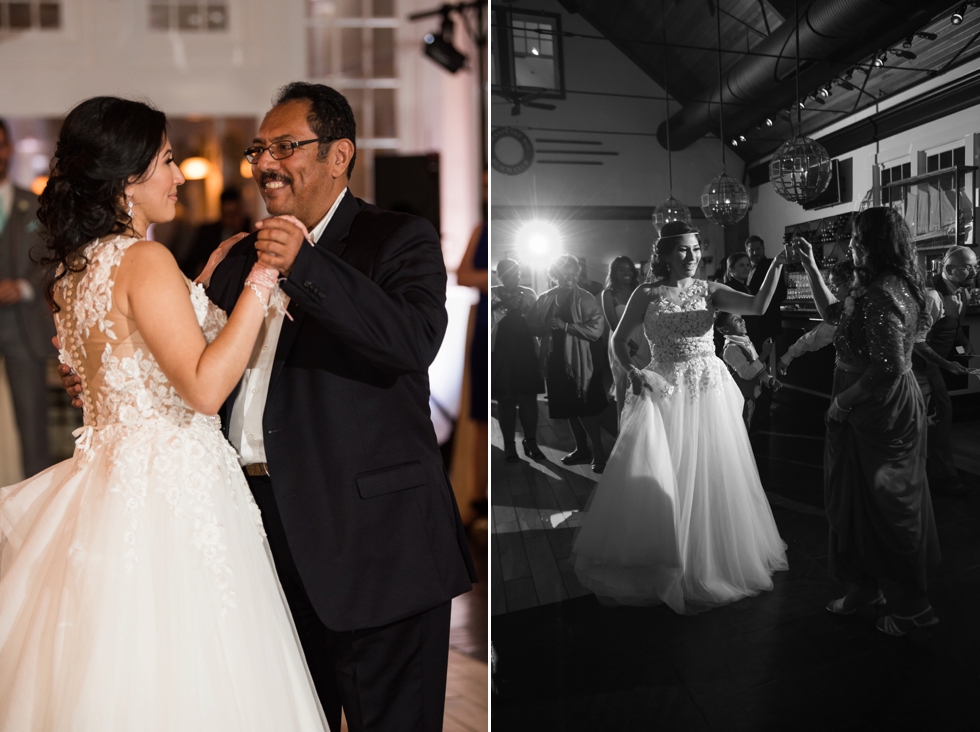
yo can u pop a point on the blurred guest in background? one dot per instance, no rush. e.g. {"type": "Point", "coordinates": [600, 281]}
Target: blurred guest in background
{"type": "Point", "coordinates": [769, 324]}
{"type": "Point", "coordinates": [26, 325]}
{"type": "Point", "coordinates": [590, 286]}
{"type": "Point", "coordinates": [233, 220]}
{"type": "Point", "coordinates": [875, 488]}
{"type": "Point", "coordinates": [738, 267]}
{"type": "Point", "coordinates": [621, 281]}
{"type": "Point", "coordinates": [515, 375]}
{"type": "Point", "coordinates": [947, 296]}
{"type": "Point", "coordinates": [568, 320]}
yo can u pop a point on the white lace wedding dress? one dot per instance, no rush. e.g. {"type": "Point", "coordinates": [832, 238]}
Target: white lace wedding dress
{"type": "Point", "coordinates": [679, 516]}
{"type": "Point", "coordinates": [136, 587]}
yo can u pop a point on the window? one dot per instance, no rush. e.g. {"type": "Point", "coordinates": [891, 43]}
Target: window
{"type": "Point", "coordinates": [188, 16]}
{"type": "Point", "coordinates": [351, 45]}
{"type": "Point", "coordinates": [892, 174]}
{"type": "Point", "coordinates": [28, 15]}
{"type": "Point", "coordinates": [526, 62]}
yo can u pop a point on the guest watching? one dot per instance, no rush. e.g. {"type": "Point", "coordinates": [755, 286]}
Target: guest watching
{"type": "Point", "coordinates": [26, 325]}
{"type": "Point", "coordinates": [947, 296]}
{"type": "Point", "coordinates": [621, 281]}
{"type": "Point", "coordinates": [515, 376]}
{"type": "Point", "coordinates": [737, 268]}
{"type": "Point", "coordinates": [208, 236]}
{"type": "Point", "coordinates": [747, 367]}
{"type": "Point", "coordinates": [568, 320]}
{"type": "Point", "coordinates": [769, 324]}
{"type": "Point", "coordinates": [840, 279]}
{"type": "Point", "coordinates": [875, 488]}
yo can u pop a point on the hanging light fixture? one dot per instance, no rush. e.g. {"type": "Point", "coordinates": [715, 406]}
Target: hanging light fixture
{"type": "Point", "coordinates": [724, 200]}
{"type": "Point", "coordinates": [671, 209]}
{"type": "Point", "coordinates": [800, 170]}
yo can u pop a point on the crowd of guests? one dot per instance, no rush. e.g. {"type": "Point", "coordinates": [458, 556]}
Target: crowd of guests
{"type": "Point", "coordinates": [888, 442]}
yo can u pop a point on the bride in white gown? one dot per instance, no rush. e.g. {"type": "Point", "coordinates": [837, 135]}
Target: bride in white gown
{"type": "Point", "coordinates": [136, 587]}
{"type": "Point", "coordinates": [679, 516]}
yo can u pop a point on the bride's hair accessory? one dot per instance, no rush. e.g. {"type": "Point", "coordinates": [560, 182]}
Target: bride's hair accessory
{"type": "Point", "coordinates": [263, 277]}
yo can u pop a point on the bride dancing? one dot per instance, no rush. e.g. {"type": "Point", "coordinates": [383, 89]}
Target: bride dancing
{"type": "Point", "coordinates": [679, 516]}
{"type": "Point", "coordinates": [136, 588]}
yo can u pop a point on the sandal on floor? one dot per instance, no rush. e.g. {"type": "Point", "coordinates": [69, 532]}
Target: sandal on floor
{"type": "Point", "coordinates": [899, 625]}
{"type": "Point", "coordinates": [837, 606]}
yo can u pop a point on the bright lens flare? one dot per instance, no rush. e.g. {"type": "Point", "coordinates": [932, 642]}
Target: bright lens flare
{"type": "Point", "coordinates": [538, 242]}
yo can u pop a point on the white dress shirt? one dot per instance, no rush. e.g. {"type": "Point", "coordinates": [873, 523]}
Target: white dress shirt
{"type": "Point", "coordinates": [245, 425]}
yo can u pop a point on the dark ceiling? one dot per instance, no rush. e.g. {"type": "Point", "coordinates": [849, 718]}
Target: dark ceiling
{"type": "Point", "coordinates": [750, 29]}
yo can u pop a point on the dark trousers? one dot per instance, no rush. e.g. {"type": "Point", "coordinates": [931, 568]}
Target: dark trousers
{"type": "Point", "coordinates": [940, 468]}
{"type": "Point", "coordinates": [386, 679]}
{"type": "Point", "coordinates": [26, 375]}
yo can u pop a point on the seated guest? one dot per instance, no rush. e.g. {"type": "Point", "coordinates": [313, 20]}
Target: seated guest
{"type": "Point", "coordinates": [747, 367]}
{"type": "Point", "coordinates": [209, 236]}
{"type": "Point", "coordinates": [947, 296]}
{"type": "Point", "coordinates": [620, 283]}
{"type": "Point", "coordinates": [840, 279]}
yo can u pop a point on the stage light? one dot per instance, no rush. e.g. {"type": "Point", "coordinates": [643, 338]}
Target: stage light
{"type": "Point", "coordinates": [440, 47]}
{"type": "Point", "coordinates": [768, 122]}
{"type": "Point", "coordinates": [958, 15]}
{"type": "Point", "coordinates": [904, 54]}
{"type": "Point", "coordinates": [741, 138]}
{"type": "Point", "coordinates": [538, 242]}
{"type": "Point", "coordinates": [927, 35]}
{"type": "Point", "coordinates": [802, 104]}
{"type": "Point", "coordinates": [880, 61]}
{"type": "Point", "coordinates": [907, 43]}
{"type": "Point", "coordinates": [823, 92]}
{"type": "Point", "coordinates": [734, 142]}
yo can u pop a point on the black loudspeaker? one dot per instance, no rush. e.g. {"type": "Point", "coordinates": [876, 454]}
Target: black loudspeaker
{"type": "Point", "coordinates": [409, 184]}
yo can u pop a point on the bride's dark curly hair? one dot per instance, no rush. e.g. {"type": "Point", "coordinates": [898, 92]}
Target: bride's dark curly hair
{"type": "Point", "coordinates": [105, 144]}
{"type": "Point", "coordinates": [670, 234]}
{"type": "Point", "coordinates": [884, 235]}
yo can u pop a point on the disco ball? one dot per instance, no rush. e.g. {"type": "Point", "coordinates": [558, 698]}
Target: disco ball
{"type": "Point", "coordinates": [800, 169]}
{"type": "Point", "coordinates": [671, 210]}
{"type": "Point", "coordinates": [724, 200]}
{"type": "Point", "coordinates": [867, 201]}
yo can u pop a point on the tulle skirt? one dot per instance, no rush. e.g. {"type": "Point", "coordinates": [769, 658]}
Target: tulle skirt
{"type": "Point", "coordinates": [137, 593]}
{"type": "Point", "coordinates": [679, 516]}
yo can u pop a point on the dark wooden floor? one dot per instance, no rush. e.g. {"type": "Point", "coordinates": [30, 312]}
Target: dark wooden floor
{"type": "Point", "coordinates": [777, 661]}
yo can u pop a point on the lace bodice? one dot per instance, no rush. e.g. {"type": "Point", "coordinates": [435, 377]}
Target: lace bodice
{"type": "Point", "coordinates": [678, 326]}
{"type": "Point", "coordinates": [121, 381]}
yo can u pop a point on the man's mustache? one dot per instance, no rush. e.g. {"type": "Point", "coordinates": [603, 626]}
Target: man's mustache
{"type": "Point", "coordinates": [270, 177]}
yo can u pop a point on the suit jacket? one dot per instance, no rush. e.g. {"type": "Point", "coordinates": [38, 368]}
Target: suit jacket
{"type": "Point", "coordinates": [770, 323]}
{"type": "Point", "coordinates": [359, 481]}
{"type": "Point", "coordinates": [18, 241]}
{"type": "Point", "coordinates": [206, 240]}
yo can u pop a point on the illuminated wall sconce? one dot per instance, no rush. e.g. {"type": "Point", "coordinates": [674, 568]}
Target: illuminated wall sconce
{"type": "Point", "coordinates": [195, 168]}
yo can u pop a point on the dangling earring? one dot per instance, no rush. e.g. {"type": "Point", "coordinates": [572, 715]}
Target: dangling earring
{"type": "Point", "coordinates": [130, 212]}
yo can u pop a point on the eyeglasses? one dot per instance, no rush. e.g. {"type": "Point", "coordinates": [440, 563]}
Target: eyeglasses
{"type": "Point", "coordinates": [280, 150]}
{"type": "Point", "coordinates": [966, 267]}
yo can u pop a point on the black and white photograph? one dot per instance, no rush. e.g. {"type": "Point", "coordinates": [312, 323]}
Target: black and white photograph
{"type": "Point", "coordinates": [734, 371]}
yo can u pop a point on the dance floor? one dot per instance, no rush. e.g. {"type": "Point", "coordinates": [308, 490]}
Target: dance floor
{"type": "Point", "coordinates": [777, 661]}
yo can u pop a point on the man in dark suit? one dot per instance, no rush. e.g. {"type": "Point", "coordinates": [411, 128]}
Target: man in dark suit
{"type": "Point", "coordinates": [769, 324]}
{"type": "Point", "coordinates": [26, 326]}
{"type": "Point", "coordinates": [208, 236]}
{"type": "Point", "coordinates": [332, 422]}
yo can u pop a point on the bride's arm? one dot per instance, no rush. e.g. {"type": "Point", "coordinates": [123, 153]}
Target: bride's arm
{"type": "Point", "coordinates": [151, 290]}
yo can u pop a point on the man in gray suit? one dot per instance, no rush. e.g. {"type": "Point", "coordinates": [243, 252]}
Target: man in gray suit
{"type": "Point", "coordinates": [26, 327]}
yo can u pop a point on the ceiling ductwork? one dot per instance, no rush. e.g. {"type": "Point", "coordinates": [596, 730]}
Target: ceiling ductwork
{"type": "Point", "coordinates": [833, 36]}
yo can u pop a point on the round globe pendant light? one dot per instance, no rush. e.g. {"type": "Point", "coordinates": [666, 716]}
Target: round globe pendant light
{"type": "Point", "coordinates": [800, 169]}
{"type": "Point", "coordinates": [724, 200]}
{"type": "Point", "coordinates": [671, 209]}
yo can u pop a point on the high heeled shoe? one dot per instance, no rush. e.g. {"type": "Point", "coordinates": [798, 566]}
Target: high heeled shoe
{"type": "Point", "coordinates": [578, 457]}
{"type": "Point", "coordinates": [531, 449]}
{"type": "Point", "coordinates": [900, 625]}
{"type": "Point", "coordinates": [837, 607]}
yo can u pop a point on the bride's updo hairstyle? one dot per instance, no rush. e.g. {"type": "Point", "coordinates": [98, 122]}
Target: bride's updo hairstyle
{"type": "Point", "coordinates": [670, 234]}
{"type": "Point", "coordinates": [105, 144]}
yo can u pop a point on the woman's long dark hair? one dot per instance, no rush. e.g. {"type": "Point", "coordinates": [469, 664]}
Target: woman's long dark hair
{"type": "Point", "coordinates": [884, 235]}
{"type": "Point", "coordinates": [634, 279]}
{"type": "Point", "coordinates": [105, 144]}
{"type": "Point", "coordinates": [669, 234]}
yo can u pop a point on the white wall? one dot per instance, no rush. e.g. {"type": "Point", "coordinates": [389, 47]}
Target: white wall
{"type": "Point", "coordinates": [638, 176]}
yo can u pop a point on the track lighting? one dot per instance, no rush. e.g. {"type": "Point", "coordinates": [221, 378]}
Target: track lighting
{"type": "Point", "coordinates": [768, 122]}
{"type": "Point", "coordinates": [824, 91]}
{"type": "Point", "coordinates": [734, 142]}
{"type": "Point", "coordinates": [907, 43]}
{"type": "Point", "coordinates": [880, 61]}
{"type": "Point", "coordinates": [741, 138]}
{"type": "Point", "coordinates": [927, 35]}
{"type": "Point", "coordinates": [958, 15]}
{"type": "Point", "coordinates": [904, 54]}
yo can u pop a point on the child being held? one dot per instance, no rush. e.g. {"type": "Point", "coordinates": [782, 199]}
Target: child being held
{"type": "Point", "coordinates": [746, 365]}
{"type": "Point", "coordinates": [840, 279]}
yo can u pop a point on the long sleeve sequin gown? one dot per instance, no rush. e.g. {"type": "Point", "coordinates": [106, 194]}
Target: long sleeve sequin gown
{"type": "Point", "coordinates": [679, 516]}
{"type": "Point", "coordinates": [136, 587]}
{"type": "Point", "coordinates": [875, 487]}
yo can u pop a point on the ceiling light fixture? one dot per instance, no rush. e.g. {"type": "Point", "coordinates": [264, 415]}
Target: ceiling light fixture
{"type": "Point", "coordinates": [768, 122]}
{"type": "Point", "coordinates": [907, 43]}
{"type": "Point", "coordinates": [958, 15]}
{"type": "Point", "coordinates": [439, 47]}
{"type": "Point", "coordinates": [927, 35]}
{"type": "Point", "coordinates": [880, 60]}
{"type": "Point", "coordinates": [671, 209]}
{"type": "Point", "coordinates": [904, 54]}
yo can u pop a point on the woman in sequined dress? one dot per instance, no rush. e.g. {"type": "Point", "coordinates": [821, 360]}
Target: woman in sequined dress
{"type": "Point", "coordinates": [679, 516]}
{"type": "Point", "coordinates": [137, 591]}
{"type": "Point", "coordinates": [875, 488]}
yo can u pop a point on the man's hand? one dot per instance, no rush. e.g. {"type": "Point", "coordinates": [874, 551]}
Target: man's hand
{"type": "Point", "coordinates": [69, 379]}
{"type": "Point", "coordinates": [9, 292]}
{"type": "Point", "coordinates": [557, 324]}
{"type": "Point", "coordinates": [280, 239]}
